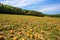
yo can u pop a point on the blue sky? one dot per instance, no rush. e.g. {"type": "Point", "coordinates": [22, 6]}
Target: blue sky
{"type": "Point", "coordinates": [45, 6]}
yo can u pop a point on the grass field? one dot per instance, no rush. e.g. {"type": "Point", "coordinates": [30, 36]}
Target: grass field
{"type": "Point", "coordinates": [19, 27]}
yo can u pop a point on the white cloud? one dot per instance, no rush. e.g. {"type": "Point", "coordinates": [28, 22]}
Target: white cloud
{"type": "Point", "coordinates": [49, 8]}
{"type": "Point", "coordinates": [22, 3]}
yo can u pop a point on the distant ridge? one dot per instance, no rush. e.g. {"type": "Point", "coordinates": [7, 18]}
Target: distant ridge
{"type": "Point", "coordinates": [15, 10]}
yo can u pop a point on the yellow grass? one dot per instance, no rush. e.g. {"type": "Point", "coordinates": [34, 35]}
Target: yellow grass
{"type": "Point", "coordinates": [21, 27]}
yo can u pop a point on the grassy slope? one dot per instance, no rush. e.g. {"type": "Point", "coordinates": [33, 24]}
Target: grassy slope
{"type": "Point", "coordinates": [29, 27]}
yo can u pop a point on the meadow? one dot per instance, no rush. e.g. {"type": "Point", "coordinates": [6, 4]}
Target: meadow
{"type": "Point", "coordinates": [21, 27]}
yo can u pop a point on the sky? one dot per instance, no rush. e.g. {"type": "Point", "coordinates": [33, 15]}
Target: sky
{"type": "Point", "coordinates": [44, 6]}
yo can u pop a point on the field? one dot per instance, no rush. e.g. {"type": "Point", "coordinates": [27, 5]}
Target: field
{"type": "Point", "coordinates": [19, 27]}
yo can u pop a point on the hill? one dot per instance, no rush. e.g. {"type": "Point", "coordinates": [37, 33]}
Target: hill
{"type": "Point", "coordinates": [6, 9]}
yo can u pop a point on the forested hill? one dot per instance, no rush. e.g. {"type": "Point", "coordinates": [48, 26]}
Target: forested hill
{"type": "Point", "coordinates": [7, 9]}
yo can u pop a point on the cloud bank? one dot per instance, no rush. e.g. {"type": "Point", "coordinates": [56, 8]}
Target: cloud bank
{"type": "Point", "coordinates": [21, 3]}
{"type": "Point", "coordinates": [49, 8]}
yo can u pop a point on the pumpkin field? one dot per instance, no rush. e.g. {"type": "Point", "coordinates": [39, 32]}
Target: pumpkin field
{"type": "Point", "coordinates": [23, 27]}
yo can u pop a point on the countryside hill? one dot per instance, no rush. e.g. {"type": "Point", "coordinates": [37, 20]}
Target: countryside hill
{"type": "Point", "coordinates": [14, 10]}
{"type": "Point", "coordinates": [6, 9]}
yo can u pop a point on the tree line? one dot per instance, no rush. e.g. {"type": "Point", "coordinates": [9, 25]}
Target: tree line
{"type": "Point", "coordinates": [6, 9]}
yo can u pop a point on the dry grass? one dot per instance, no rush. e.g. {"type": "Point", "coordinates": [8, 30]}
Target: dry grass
{"type": "Point", "coordinates": [19, 27]}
